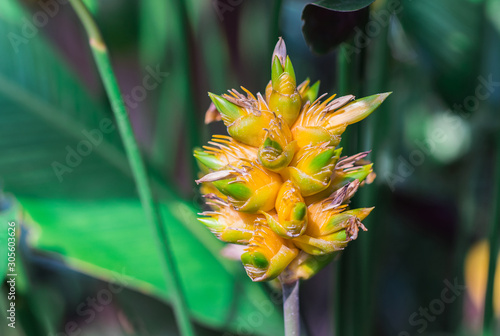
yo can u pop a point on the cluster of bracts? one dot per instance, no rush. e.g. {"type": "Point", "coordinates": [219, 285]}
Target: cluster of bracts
{"type": "Point", "coordinates": [277, 183]}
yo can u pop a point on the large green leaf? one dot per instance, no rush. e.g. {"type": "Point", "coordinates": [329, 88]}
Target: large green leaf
{"type": "Point", "coordinates": [45, 114]}
{"type": "Point", "coordinates": [109, 237]}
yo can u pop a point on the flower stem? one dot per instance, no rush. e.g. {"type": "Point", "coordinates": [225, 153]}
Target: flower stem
{"type": "Point", "coordinates": [291, 307]}
{"type": "Point", "coordinates": [151, 210]}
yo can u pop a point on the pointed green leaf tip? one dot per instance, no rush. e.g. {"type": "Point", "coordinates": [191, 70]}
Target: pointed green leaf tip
{"type": "Point", "coordinates": [358, 109]}
{"type": "Point", "coordinates": [289, 69]}
{"type": "Point", "coordinates": [312, 93]}
{"type": "Point", "coordinates": [276, 70]}
{"type": "Point", "coordinates": [229, 111]}
{"type": "Point", "coordinates": [371, 104]}
{"type": "Point", "coordinates": [208, 160]}
{"type": "Point", "coordinates": [323, 159]}
{"type": "Point", "coordinates": [211, 223]}
{"type": "Point", "coordinates": [238, 191]}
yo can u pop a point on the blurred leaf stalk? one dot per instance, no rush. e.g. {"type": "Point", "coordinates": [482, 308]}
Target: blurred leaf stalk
{"type": "Point", "coordinates": [136, 162]}
{"type": "Point", "coordinates": [278, 184]}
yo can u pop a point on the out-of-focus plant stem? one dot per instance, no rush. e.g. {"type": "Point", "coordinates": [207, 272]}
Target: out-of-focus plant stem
{"type": "Point", "coordinates": [467, 200]}
{"type": "Point", "coordinates": [291, 307]}
{"type": "Point", "coordinates": [348, 72]}
{"type": "Point", "coordinates": [491, 39]}
{"type": "Point", "coordinates": [103, 62]}
{"type": "Point", "coordinates": [373, 133]}
{"type": "Point", "coordinates": [494, 239]}
{"type": "Point", "coordinates": [186, 57]}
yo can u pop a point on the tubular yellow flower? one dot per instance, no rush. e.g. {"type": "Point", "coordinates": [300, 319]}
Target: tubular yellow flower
{"type": "Point", "coordinates": [277, 183]}
{"type": "Point", "coordinates": [267, 254]}
{"type": "Point", "coordinates": [291, 210]}
{"type": "Point", "coordinates": [229, 225]}
{"type": "Point", "coordinates": [312, 168]}
{"type": "Point", "coordinates": [278, 147]}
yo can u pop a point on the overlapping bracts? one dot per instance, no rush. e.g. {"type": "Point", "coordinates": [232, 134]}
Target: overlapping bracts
{"type": "Point", "coordinates": [278, 183]}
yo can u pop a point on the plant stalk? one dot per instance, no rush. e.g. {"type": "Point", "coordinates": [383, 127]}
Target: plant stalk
{"type": "Point", "coordinates": [291, 307]}
{"type": "Point", "coordinates": [494, 240]}
{"type": "Point", "coordinates": [102, 59]}
{"type": "Point", "coordinates": [349, 71]}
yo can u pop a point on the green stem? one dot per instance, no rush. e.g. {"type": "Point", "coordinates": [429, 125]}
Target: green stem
{"type": "Point", "coordinates": [374, 131]}
{"type": "Point", "coordinates": [291, 307]}
{"type": "Point", "coordinates": [103, 62]}
{"type": "Point", "coordinates": [342, 88]}
{"type": "Point", "coordinates": [186, 55]}
{"type": "Point", "coordinates": [489, 313]}
{"type": "Point", "coordinates": [346, 278]}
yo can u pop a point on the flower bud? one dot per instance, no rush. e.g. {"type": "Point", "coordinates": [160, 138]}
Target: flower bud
{"type": "Point", "coordinates": [249, 188]}
{"type": "Point", "coordinates": [245, 124]}
{"type": "Point", "coordinates": [305, 265]}
{"type": "Point", "coordinates": [326, 121]}
{"type": "Point", "coordinates": [291, 210]}
{"type": "Point", "coordinates": [229, 225]}
{"type": "Point", "coordinates": [229, 111]}
{"type": "Point", "coordinates": [312, 167]}
{"type": "Point", "coordinates": [343, 176]}
{"type": "Point", "coordinates": [222, 152]}
{"type": "Point", "coordinates": [312, 127]}
{"type": "Point", "coordinates": [278, 149]}
{"type": "Point", "coordinates": [284, 99]}
{"type": "Point", "coordinates": [346, 171]}
{"type": "Point", "coordinates": [267, 254]}
{"type": "Point", "coordinates": [279, 52]}
{"type": "Point", "coordinates": [330, 230]}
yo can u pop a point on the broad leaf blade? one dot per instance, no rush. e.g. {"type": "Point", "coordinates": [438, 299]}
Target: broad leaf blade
{"type": "Point", "coordinates": [109, 237]}
{"type": "Point", "coordinates": [45, 114]}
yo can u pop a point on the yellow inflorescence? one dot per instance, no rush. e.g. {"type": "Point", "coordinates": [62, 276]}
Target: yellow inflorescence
{"type": "Point", "coordinates": [278, 184]}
